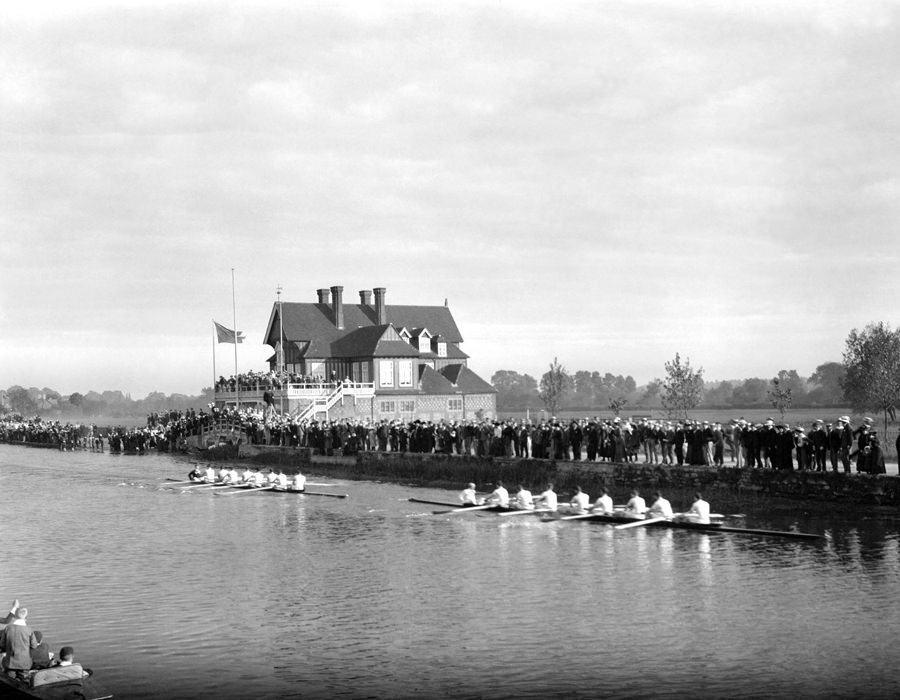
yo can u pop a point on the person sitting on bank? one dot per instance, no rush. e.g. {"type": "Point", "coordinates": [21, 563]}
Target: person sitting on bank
{"type": "Point", "coordinates": [661, 507]}
{"type": "Point", "coordinates": [41, 656]}
{"type": "Point", "coordinates": [468, 497]}
{"type": "Point", "coordinates": [499, 496]}
{"type": "Point", "coordinates": [636, 505]}
{"type": "Point", "coordinates": [699, 512]}
{"type": "Point", "coordinates": [548, 499]}
{"type": "Point", "coordinates": [298, 483]}
{"type": "Point", "coordinates": [604, 503]}
{"type": "Point", "coordinates": [524, 500]}
{"type": "Point", "coordinates": [580, 500]}
{"type": "Point", "coordinates": [16, 642]}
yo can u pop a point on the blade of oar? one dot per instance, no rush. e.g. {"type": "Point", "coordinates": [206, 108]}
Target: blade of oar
{"type": "Point", "coordinates": [246, 490]}
{"type": "Point", "coordinates": [197, 486]}
{"type": "Point", "coordinates": [639, 523]}
{"type": "Point", "coordinates": [526, 511]}
{"type": "Point", "coordinates": [317, 483]}
{"type": "Point", "coordinates": [464, 510]}
{"type": "Point", "coordinates": [332, 495]}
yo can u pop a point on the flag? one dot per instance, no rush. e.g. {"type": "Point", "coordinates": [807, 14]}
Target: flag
{"type": "Point", "coordinates": [226, 335]}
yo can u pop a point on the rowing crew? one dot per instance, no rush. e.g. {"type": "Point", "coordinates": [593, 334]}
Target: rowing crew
{"type": "Point", "coordinates": [251, 477]}
{"type": "Point", "coordinates": [581, 503]}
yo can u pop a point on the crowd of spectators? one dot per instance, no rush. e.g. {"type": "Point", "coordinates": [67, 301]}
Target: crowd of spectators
{"type": "Point", "coordinates": [263, 381]}
{"type": "Point", "coordinates": [739, 443]}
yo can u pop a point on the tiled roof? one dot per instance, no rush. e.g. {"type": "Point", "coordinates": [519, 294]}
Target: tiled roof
{"type": "Point", "coordinates": [374, 341]}
{"type": "Point", "coordinates": [466, 380]}
{"type": "Point", "coordinates": [433, 382]}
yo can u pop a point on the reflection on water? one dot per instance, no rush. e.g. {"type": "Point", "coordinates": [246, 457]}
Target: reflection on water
{"type": "Point", "coordinates": [189, 594]}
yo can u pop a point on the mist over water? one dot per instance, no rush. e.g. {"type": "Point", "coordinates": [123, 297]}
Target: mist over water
{"type": "Point", "coordinates": [190, 594]}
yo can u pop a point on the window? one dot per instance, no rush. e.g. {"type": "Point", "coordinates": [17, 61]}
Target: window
{"type": "Point", "coordinates": [454, 404]}
{"type": "Point", "coordinates": [365, 372]}
{"type": "Point", "coordinates": [404, 368]}
{"type": "Point", "coordinates": [442, 349]}
{"type": "Point", "coordinates": [407, 407]}
{"type": "Point", "coordinates": [317, 369]}
{"type": "Point", "coordinates": [386, 407]}
{"type": "Point", "coordinates": [386, 373]}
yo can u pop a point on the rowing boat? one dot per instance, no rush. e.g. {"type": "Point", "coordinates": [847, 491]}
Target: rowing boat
{"type": "Point", "coordinates": [56, 683]}
{"type": "Point", "coordinates": [308, 493]}
{"type": "Point", "coordinates": [702, 527]}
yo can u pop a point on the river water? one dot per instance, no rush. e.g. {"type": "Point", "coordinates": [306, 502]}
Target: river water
{"type": "Point", "coordinates": [191, 594]}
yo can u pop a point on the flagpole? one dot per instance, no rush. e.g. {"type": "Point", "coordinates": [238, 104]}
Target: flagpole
{"type": "Point", "coordinates": [214, 361]}
{"type": "Point", "coordinates": [234, 320]}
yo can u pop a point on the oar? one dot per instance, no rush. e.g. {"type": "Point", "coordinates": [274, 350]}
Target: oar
{"type": "Point", "coordinates": [332, 495]}
{"type": "Point", "coordinates": [577, 517]}
{"type": "Point", "coordinates": [249, 490]}
{"type": "Point", "coordinates": [526, 511]}
{"type": "Point", "coordinates": [464, 510]}
{"type": "Point", "coordinates": [639, 523]}
{"type": "Point", "coordinates": [316, 483]}
{"type": "Point", "coordinates": [198, 486]}
{"type": "Point", "coordinates": [179, 481]}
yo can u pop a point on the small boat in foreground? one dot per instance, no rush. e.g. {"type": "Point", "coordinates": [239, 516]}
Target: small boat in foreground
{"type": "Point", "coordinates": [54, 683]}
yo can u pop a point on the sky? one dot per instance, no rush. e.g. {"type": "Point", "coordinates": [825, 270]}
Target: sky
{"type": "Point", "coordinates": [606, 183]}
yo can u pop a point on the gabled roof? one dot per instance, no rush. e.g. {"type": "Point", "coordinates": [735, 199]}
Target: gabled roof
{"type": "Point", "coordinates": [374, 341]}
{"type": "Point", "coordinates": [315, 322]}
{"type": "Point", "coordinates": [466, 381]}
{"type": "Point", "coordinates": [433, 382]}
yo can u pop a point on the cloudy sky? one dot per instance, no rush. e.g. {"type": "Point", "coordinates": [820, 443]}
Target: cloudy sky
{"type": "Point", "coordinates": [608, 183]}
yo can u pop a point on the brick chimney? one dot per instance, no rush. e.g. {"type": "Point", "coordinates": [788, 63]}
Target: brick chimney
{"type": "Point", "coordinates": [337, 304]}
{"type": "Point", "coordinates": [323, 296]}
{"type": "Point", "coordinates": [365, 297]}
{"type": "Point", "coordinates": [380, 312]}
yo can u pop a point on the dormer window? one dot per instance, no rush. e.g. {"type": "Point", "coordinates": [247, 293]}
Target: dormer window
{"type": "Point", "coordinates": [441, 349]}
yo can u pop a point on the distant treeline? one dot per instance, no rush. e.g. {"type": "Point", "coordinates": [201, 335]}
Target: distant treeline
{"type": "Point", "coordinates": [592, 390]}
{"type": "Point", "coordinates": [110, 404]}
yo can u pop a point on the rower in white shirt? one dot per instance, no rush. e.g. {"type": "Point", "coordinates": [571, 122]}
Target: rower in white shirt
{"type": "Point", "coordinates": [661, 507]}
{"type": "Point", "coordinates": [548, 499]}
{"type": "Point", "coordinates": [222, 476]}
{"type": "Point", "coordinates": [580, 501]}
{"type": "Point", "coordinates": [604, 503]}
{"type": "Point", "coordinates": [468, 496]}
{"type": "Point", "coordinates": [499, 496]}
{"type": "Point", "coordinates": [524, 499]}
{"type": "Point", "coordinates": [699, 512]}
{"type": "Point", "coordinates": [259, 479]}
{"type": "Point", "coordinates": [271, 478]}
{"type": "Point", "coordinates": [246, 475]}
{"type": "Point", "coordinates": [298, 483]}
{"type": "Point", "coordinates": [636, 505]}
{"type": "Point", "coordinates": [281, 479]}
{"type": "Point", "coordinates": [209, 476]}
{"type": "Point", "coordinates": [233, 476]}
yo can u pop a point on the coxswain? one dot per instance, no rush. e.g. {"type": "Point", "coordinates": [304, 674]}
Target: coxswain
{"type": "Point", "coordinates": [499, 496]}
{"type": "Point", "coordinates": [604, 503]}
{"type": "Point", "coordinates": [636, 505]}
{"type": "Point", "coordinates": [195, 474]}
{"type": "Point", "coordinates": [299, 482]}
{"type": "Point", "coordinates": [548, 498]}
{"type": "Point", "coordinates": [524, 499]}
{"type": "Point", "coordinates": [468, 496]}
{"type": "Point", "coordinates": [661, 507]}
{"type": "Point", "coordinates": [580, 501]}
{"type": "Point", "coordinates": [699, 512]}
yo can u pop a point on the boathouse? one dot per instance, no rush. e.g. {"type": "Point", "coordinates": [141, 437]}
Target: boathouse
{"type": "Point", "coordinates": [373, 360]}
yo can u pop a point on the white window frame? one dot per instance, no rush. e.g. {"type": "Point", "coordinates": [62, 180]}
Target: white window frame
{"type": "Point", "coordinates": [386, 373]}
{"type": "Point", "coordinates": [455, 405]}
{"type": "Point", "coordinates": [387, 407]}
{"type": "Point", "coordinates": [442, 349]}
{"type": "Point", "coordinates": [404, 373]}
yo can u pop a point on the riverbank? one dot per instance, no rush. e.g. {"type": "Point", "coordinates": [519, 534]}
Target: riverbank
{"type": "Point", "coordinates": [825, 490]}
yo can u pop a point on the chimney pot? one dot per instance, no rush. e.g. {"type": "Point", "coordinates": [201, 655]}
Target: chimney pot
{"type": "Point", "coordinates": [337, 304]}
{"type": "Point", "coordinates": [324, 296]}
{"type": "Point", "coordinates": [380, 312]}
{"type": "Point", "coordinates": [365, 297]}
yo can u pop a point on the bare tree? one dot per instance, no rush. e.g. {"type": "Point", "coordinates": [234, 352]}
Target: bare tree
{"type": "Point", "coordinates": [780, 395]}
{"type": "Point", "coordinates": [682, 388]}
{"type": "Point", "coordinates": [555, 384]}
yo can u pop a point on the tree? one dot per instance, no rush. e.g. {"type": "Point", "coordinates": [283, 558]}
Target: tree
{"type": "Point", "coordinates": [20, 401]}
{"type": "Point", "coordinates": [872, 361]}
{"type": "Point", "coordinates": [828, 390]}
{"type": "Point", "coordinates": [555, 384]}
{"type": "Point", "coordinates": [616, 405]}
{"type": "Point", "coordinates": [750, 392]}
{"type": "Point", "coordinates": [781, 396]}
{"type": "Point", "coordinates": [682, 388]}
{"type": "Point", "coordinates": [514, 390]}
{"type": "Point", "coordinates": [76, 399]}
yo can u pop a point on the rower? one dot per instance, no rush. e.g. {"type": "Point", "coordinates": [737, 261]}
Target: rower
{"type": "Point", "coordinates": [222, 476]}
{"type": "Point", "coordinates": [271, 478]}
{"type": "Point", "coordinates": [661, 507]}
{"type": "Point", "coordinates": [246, 476]}
{"type": "Point", "coordinates": [210, 475]}
{"type": "Point", "coordinates": [468, 496]}
{"type": "Point", "coordinates": [499, 496]}
{"type": "Point", "coordinates": [299, 482]}
{"type": "Point", "coordinates": [233, 477]}
{"type": "Point", "coordinates": [603, 504]}
{"type": "Point", "coordinates": [548, 499]}
{"type": "Point", "coordinates": [636, 505]}
{"type": "Point", "coordinates": [699, 512]}
{"type": "Point", "coordinates": [580, 501]}
{"type": "Point", "coordinates": [259, 479]}
{"type": "Point", "coordinates": [524, 499]}
{"type": "Point", "coordinates": [281, 479]}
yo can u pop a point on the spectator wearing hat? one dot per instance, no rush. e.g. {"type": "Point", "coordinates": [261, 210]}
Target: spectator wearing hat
{"type": "Point", "coordinates": [818, 443]}
{"type": "Point", "coordinates": [862, 435]}
{"type": "Point", "coordinates": [834, 443]}
{"type": "Point", "coordinates": [802, 447]}
{"type": "Point", "coordinates": [875, 456]}
{"type": "Point", "coordinates": [846, 442]}
{"type": "Point", "coordinates": [16, 641]}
